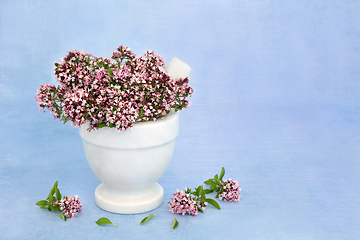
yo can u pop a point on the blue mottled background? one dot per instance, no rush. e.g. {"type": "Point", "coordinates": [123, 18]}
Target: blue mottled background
{"type": "Point", "coordinates": [276, 102]}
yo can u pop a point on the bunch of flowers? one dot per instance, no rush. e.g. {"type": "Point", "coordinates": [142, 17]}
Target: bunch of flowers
{"type": "Point", "coordinates": [192, 202]}
{"type": "Point", "coordinates": [70, 206]}
{"type": "Point", "coordinates": [113, 92]}
{"type": "Point", "coordinates": [183, 203]}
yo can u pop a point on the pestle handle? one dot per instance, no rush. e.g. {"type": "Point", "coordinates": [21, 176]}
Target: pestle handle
{"type": "Point", "coordinates": [177, 68]}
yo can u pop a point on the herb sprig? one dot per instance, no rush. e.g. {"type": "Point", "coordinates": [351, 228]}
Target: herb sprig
{"type": "Point", "coordinates": [68, 206]}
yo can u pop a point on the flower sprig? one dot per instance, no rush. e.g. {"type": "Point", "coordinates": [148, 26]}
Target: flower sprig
{"type": "Point", "coordinates": [228, 190]}
{"type": "Point", "coordinates": [191, 202]}
{"type": "Point", "coordinates": [68, 206]}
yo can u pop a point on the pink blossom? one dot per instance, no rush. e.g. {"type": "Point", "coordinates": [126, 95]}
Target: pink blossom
{"type": "Point", "coordinates": [182, 203]}
{"type": "Point", "coordinates": [70, 206]}
{"type": "Point", "coordinates": [231, 191]}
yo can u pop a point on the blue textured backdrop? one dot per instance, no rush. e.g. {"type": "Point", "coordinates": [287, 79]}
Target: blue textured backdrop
{"type": "Point", "coordinates": [276, 102]}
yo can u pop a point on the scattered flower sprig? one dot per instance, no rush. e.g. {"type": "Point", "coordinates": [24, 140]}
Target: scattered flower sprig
{"type": "Point", "coordinates": [191, 202]}
{"type": "Point", "coordinates": [68, 206]}
{"type": "Point", "coordinates": [228, 190]}
{"type": "Point", "coordinates": [104, 221]}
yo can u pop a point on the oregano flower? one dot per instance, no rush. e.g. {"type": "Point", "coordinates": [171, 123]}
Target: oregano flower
{"type": "Point", "coordinates": [113, 92]}
{"type": "Point", "coordinates": [70, 206]}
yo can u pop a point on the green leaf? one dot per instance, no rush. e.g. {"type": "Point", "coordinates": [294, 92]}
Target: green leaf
{"type": "Point", "coordinates": [222, 173]}
{"type": "Point", "coordinates": [42, 203]}
{"type": "Point", "coordinates": [213, 187]}
{"type": "Point", "coordinates": [103, 221]}
{"type": "Point", "coordinates": [207, 191]}
{"type": "Point", "coordinates": [175, 224]}
{"type": "Point", "coordinates": [209, 182]}
{"type": "Point", "coordinates": [213, 202]}
{"type": "Point", "coordinates": [198, 190]}
{"type": "Point", "coordinates": [43, 207]}
{"type": "Point", "coordinates": [148, 218]}
{"type": "Point", "coordinates": [216, 177]}
{"type": "Point", "coordinates": [200, 210]}
{"type": "Point", "coordinates": [203, 197]}
{"type": "Point", "coordinates": [62, 216]}
{"type": "Point", "coordinates": [52, 191]}
{"type": "Point", "coordinates": [58, 194]}
{"type": "Point", "coordinates": [51, 198]}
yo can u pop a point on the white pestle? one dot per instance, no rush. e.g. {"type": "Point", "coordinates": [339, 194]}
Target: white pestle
{"type": "Point", "coordinates": [177, 68]}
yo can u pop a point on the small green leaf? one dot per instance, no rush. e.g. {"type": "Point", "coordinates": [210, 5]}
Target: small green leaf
{"type": "Point", "coordinates": [213, 202]}
{"type": "Point", "coordinates": [203, 197]}
{"type": "Point", "coordinates": [62, 216]}
{"type": "Point", "coordinates": [43, 207]}
{"type": "Point", "coordinates": [213, 187]}
{"type": "Point", "coordinates": [52, 191]}
{"type": "Point", "coordinates": [207, 191]}
{"type": "Point", "coordinates": [42, 203]}
{"type": "Point", "coordinates": [103, 221]}
{"type": "Point", "coordinates": [58, 194]}
{"type": "Point", "coordinates": [175, 224]}
{"type": "Point", "coordinates": [51, 198]}
{"type": "Point", "coordinates": [148, 218]}
{"type": "Point", "coordinates": [222, 173]}
{"type": "Point", "coordinates": [198, 190]}
{"type": "Point", "coordinates": [216, 177]}
{"type": "Point", "coordinates": [209, 182]}
{"type": "Point", "coordinates": [200, 210]}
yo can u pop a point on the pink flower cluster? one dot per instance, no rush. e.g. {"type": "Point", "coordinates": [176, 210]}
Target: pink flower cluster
{"type": "Point", "coordinates": [182, 203]}
{"type": "Point", "coordinates": [45, 99]}
{"type": "Point", "coordinates": [230, 191]}
{"type": "Point", "coordinates": [70, 206]}
{"type": "Point", "coordinates": [113, 92]}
